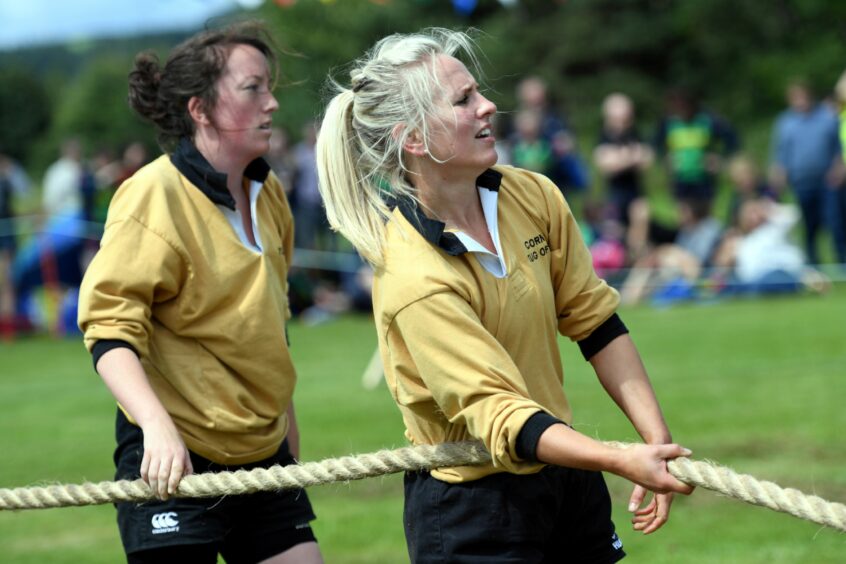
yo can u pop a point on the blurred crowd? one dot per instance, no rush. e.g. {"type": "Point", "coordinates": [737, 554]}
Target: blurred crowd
{"type": "Point", "coordinates": [694, 249]}
{"type": "Point", "coordinates": [686, 250]}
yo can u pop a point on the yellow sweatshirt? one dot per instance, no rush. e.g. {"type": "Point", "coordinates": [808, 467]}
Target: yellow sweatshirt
{"type": "Point", "coordinates": [205, 313]}
{"type": "Point", "coordinates": [471, 356]}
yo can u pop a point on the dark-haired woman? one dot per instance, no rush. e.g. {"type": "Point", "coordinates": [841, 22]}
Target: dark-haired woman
{"type": "Point", "coordinates": [184, 309]}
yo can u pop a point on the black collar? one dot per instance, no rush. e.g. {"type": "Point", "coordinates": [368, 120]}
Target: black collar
{"type": "Point", "coordinates": [433, 230]}
{"type": "Point", "coordinates": [194, 166]}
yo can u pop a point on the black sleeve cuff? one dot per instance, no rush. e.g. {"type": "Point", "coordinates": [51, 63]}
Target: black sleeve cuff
{"type": "Point", "coordinates": [527, 440]}
{"type": "Point", "coordinates": [105, 345]}
{"type": "Point", "coordinates": [612, 328]}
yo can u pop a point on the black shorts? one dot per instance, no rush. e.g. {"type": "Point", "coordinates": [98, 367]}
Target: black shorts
{"type": "Point", "coordinates": [242, 528]}
{"type": "Point", "coordinates": [556, 515]}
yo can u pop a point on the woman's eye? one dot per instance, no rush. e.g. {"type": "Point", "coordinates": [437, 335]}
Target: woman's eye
{"type": "Point", "coordinates": [464, 99]}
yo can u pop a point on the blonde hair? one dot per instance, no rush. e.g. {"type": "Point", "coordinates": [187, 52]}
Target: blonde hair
{"type": "Point", "coordinates": [394, 93]}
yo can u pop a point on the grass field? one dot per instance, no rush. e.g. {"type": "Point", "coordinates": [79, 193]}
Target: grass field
{"type": "Point", "coordinates": [756, 385]}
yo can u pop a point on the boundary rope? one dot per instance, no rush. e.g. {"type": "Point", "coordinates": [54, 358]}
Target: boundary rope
{"type": "Point", "coordinates": [698, 473]}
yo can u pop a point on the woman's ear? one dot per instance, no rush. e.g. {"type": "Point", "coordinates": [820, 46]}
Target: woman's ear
{"type": "Point", "coordinates": [196, 109]}
{"type": "Point", "coordinates": [413, 144]}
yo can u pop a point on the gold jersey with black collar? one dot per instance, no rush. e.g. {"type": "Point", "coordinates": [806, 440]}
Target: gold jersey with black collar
{"type": "Point", "coordinates": [204, 312]}
{"type": "Point", "coordinates": [472, 355]}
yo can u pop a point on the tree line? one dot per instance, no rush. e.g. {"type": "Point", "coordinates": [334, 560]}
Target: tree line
{"type": "Point", "coordinates": [735, 54]}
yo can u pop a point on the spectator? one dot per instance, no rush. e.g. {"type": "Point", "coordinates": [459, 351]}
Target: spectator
{"type": "Point", "coordinates": [530, 149]}
{"type": "Point", "coordinates": [62, 190]}
{"type": "Point", "coordinates": [620, 155]}
{"type": "Point", "coordinates": [280, 159]}
{"type": "Point", "coordinates": [763, 259]}
{"type": "Point", "coordinates": [111, 173]}
{"type": "Point", "coordinates": [53, 258]}
{"type": "Point", "coordinates": [14, 183]}
{"type": "Point", "coordinates": [310, 221]}
{"type": "Point", "coordinates": [806, 155]}
{"type": "Point", "coordinates": [503, 144]}
{"type": "Point", "coordinates": [840, 100]}
{"type": "Point", "coordinates": [568, 170]}
{"type": "Point", "coordinates": [694, 142]}
{"type": "Point", "coordinates": [670, 258]}
{"type": "Point", "coordinates": [747, 183]}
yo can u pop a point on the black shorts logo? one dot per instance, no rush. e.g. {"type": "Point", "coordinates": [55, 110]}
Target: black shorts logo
{"type": "Point", "coordinates": [165, 523]}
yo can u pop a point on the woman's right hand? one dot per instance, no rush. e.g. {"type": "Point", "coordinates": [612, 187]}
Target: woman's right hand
{"type": "Point", "coordinates": [646, 465]}
{"type": "Point", "coordinates": [166, 459]}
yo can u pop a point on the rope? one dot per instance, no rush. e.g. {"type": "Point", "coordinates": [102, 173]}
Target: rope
{"type": "Point", "coordinates": [759, 492]}
{"type": "Point", "coordinates": [275, 478]}
{"type": "Point", "coordinates": [347, 468]}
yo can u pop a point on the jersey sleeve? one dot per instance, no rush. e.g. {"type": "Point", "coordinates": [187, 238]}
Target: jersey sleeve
{"type": "Point", "coordinates": [134, 269]}
{"type": "Point", "coordinates": [437, 347]}
{"type": "Point", "coordinates": [583, 301]}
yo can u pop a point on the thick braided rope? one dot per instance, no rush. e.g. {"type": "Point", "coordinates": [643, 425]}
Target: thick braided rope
{"type": "Point", "coordinates": [744, 487]}
{"type": "Point", "coordinates": [275, 478]}
{"type": "Point", "coordinates": [694, 472]}
{"type": "Point", "coordinates": [759, 492]}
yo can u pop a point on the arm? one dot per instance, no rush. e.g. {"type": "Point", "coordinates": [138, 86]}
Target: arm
{"type": "Point", "coordinates": [621, 373]}
{"type": "Point", "coordinates": [166, 459]}
{"type": "Point", "coordinates": [611, 159]}
{"type": "Point", "coordinates": [585, 308]}
{"type": "Point", "coordinates": [117, 297]}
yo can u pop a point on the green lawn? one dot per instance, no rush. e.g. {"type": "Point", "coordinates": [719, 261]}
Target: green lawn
{"type": "Point", "coordinates": [756, 385]}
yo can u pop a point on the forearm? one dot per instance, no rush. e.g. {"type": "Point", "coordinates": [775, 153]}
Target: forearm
{"type": "Point", "coordinates": [621, 372]}
{"type": "Point", "coordinates": [645, 465]}
{"type": "Point", "coordinates": [563, 446]}
{"type": "Point", "coordinates": [166, 459]}
{"type": "Point", "coordinates": [611, 160]}
{"type": "Point", "coordinates": [124, 375]}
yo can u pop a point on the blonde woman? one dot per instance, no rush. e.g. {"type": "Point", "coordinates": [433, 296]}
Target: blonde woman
{"type": "Point", "coordinates": [478, 268]}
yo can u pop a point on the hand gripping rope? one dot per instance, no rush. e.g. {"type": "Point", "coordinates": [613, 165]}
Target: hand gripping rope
{"type": "Point", "coordinates": [694, 472]}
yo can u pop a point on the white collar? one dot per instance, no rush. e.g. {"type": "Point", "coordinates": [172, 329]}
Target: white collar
{"type": "Point", "coordinates": [493, 263]}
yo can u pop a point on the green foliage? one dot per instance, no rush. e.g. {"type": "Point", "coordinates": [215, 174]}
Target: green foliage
{"type": "Point", "coordinates": [736, 54]}
{"type": "Point", "coordinates": [24, 111]}
{"type": "Point", "coordinates": [94, 108]}
{"type": "Point", "coordinates": [323, 37]}
{"type": "Point", "coordinates": [84, 89]}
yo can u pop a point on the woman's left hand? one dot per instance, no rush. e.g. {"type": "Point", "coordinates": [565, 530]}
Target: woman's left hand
{"type": "Point", "coordinates": [654, 515]}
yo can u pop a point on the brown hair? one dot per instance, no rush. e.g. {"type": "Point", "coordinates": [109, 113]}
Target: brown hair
{"type": "Point", "coordinates": [161, 94]}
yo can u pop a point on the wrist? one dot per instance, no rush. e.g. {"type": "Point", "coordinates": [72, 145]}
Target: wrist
{"type": "Point", "coordinates": [616, 461]}
{"type": "Point", "coordinates": [154, 418]}
{"type": "Point", "coordinates": [657, 437]}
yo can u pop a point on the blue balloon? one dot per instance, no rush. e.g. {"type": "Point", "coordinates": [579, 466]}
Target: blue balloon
{"type": "Point", "coordinates": [464, 7]}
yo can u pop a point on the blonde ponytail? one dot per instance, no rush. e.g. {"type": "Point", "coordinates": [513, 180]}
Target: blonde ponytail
{"type": "Point", "coordinates": [394, 93]}
{"type": "Point", "coordinates": [354, 203]}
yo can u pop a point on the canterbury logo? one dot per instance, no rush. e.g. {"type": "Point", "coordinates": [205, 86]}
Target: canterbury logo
{"type": "Point", "coordinates": [165, 523]}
